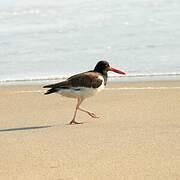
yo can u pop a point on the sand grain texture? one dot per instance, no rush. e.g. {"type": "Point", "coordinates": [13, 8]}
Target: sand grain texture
{"type": "Point", "coordinates": [137, 136]}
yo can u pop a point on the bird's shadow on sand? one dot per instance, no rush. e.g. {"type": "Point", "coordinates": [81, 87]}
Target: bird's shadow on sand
{"type": "Point", "coordinates": [24, 128]}
{"type": "Point", "coordinates": [37, 127]}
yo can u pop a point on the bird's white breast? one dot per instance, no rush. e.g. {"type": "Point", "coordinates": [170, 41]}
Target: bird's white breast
{"type": "Point", "coordinates": [81, 92]}
{"type": "Point", "coordinates": [102, 85]}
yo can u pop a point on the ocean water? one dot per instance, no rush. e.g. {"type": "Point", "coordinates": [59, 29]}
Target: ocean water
{"type": "Point", "coordinates": [56, 38]}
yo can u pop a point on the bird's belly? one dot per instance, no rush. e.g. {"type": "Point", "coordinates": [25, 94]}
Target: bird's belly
{"type": "Point", "coordinates": [79, 92]}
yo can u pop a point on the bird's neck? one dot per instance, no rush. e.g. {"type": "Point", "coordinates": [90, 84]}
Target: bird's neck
{"type": "Point", "coordinates": [104, 74]}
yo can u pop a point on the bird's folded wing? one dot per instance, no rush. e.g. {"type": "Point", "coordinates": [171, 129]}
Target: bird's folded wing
{"type": "Point", "coordinates": [57, 85]}
{"type": "Point", "coordinates": [87, 79]}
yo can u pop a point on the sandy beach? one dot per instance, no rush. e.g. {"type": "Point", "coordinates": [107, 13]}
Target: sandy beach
{"type": "Point", "coordinates": [137, 136]}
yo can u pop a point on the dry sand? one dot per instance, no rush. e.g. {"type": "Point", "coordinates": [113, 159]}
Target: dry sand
{"type": "Point", "coordinates": [136, 137]}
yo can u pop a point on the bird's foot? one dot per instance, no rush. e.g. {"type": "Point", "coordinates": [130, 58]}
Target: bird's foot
{"type": "Point", "coordinates": [75, 122]}
{"type": "Point", "coordinates": [93, 115]}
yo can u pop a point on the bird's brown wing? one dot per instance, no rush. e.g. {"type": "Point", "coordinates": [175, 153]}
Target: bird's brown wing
{"type": "Point", "coordinates": [88, 79]}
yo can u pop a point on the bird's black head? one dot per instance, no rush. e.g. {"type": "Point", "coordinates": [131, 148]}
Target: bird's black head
{"type": "Point", "coordinates": [102, 67]}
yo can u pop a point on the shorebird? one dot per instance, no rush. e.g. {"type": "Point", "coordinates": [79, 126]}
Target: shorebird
{"type": "Point", "coordinates": [83, 85]}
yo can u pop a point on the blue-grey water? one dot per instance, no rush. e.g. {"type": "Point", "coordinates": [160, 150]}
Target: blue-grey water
{"type": "Point", "coordinates": [56, 38]}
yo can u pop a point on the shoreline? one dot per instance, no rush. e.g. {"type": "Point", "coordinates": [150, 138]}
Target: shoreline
{"type": "Point", "coordinates": [124, 84]}
{"type": "Point", "coordinates": [118, 79]}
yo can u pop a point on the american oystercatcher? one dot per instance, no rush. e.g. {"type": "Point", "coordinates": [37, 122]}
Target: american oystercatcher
{"type": "Point", "coordinates": [83, 85]}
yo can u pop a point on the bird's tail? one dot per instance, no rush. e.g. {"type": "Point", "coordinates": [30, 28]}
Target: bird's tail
{"type": "Point", "coordinates": [48, 86]}
{"type": "Point", "coordinates": [50, 91]}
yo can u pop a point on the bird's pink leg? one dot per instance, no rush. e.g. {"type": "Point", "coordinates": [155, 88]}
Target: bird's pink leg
{"type": "Point", "coordinates": [93, 115]}
{"type": "Point", "coordinates": [74, 117]}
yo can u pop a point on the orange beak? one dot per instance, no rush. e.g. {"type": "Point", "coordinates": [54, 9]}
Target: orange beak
{"type": "Point", "coordinates": [116, 71]}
